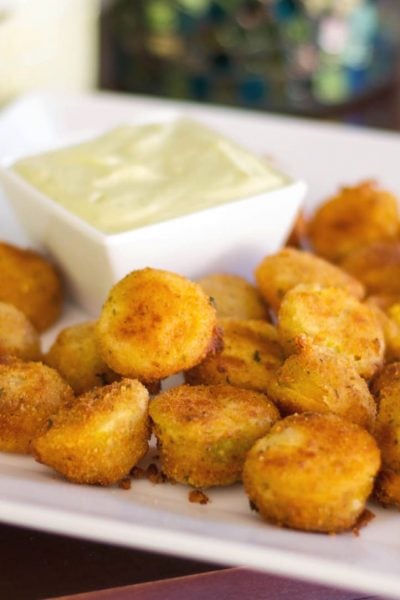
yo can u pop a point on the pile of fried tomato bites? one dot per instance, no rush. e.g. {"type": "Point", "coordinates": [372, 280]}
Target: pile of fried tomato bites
{"type": "Point", "coordinates": [291, 385]}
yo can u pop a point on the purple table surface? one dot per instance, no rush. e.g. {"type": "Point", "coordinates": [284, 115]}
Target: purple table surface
{"type": "Point", "coordinates": [226, 584]}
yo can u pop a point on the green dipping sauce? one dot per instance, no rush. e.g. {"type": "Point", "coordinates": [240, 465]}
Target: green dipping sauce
{"type": "Point", "coordinates": [137, 175]}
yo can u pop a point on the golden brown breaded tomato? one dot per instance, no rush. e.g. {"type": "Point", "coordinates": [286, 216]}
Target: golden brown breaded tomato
{"type": "Point", "coordinates": [155, 323]}
{"type": "Point", "coordinates": [377, 266]}
{"type": "Point", "coordinates": [332, 318]}
{"type": "Point", "coordinates": [249, 358]}
{"type": "Point", "coordinates": [312, 472]}
{"type": "Point", "coordinates": [18, 337]}
{"type": "Point", "coordinates": [356, 216]}
{"type": "Point", "coordinates": [204, 432]}
{"type": "Point", "coordinates": [279, 273]}
{"type": "Point", "coordinates": [76, 357]}
{"type": "Point", "coordinates": [30, 393]}
{"type": "Point", "coordinates": [234, 297]}
{"type": "Point", "coordinates": [31, 283]}
{"type": "Point", "coordinates": [317, 379]}
{"type": "Point", "coordinates": [101, 437]}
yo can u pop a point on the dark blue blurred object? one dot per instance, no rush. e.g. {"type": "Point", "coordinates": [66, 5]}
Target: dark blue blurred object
{"type": "Point", "coordinates": [287, 55]}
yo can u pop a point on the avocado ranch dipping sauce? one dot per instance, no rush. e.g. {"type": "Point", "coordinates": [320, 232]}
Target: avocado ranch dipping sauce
{"type": "Point", "coordinates": [137, 175]}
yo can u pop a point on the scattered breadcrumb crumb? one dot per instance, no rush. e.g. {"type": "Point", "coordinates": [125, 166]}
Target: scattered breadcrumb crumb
{"type": "Point", "coordinates": [198, 497]}
{"type": "Point", "coordinates": [125, 484]}
{"type": "Point", "coordinates": [138, 473]}
{"type": "Point", "coordinates": [366, 517]}
{"type": "Point", "coordinates": [253, 506]}
{"type": "Point", "coordinates": [154, 475]}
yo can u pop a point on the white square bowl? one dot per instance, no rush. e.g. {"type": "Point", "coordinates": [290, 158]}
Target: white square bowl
{"type": "Point", "coordinates": [232, 237]}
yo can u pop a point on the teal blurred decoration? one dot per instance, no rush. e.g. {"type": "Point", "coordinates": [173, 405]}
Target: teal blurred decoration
{"type": "Point", "coordinates": [286, 55]}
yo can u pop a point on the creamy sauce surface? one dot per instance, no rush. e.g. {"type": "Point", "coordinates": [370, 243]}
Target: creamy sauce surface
{"type": "Point", "coordinates": [136, 175]}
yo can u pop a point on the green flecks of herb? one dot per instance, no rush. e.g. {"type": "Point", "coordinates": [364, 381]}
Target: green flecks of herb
{"type": "Point", "coordinates": [211, 300]}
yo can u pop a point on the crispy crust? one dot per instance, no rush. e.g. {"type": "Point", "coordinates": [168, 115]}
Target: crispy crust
{"type": "Point", "coordinates": [312, 472]}
{"type": "Point", "coordinates": [30, 393]}
{"type": "Point", "coordinates": [75, 355]}
{"type": "Point", "coordinates": [31, 283]}
{"type": "Point", "coordinates": [234, 297]}
{"type": "Point", "coordinates": [332, 318]}
{"type": "Point", "coordinates": [317, 379]}
{"type": "Point", "coordinates": [156, 323]}
{"type": "Point", "coordinates": [204, 432]}
{"type": "Point", "coordinates": [356, 216]}
{"type": "Point", "coordinates": [101, 437]}
{"type": "Point", "coordinates": [249, 358]}
{"type": "Point", "coordinates": [279, 273]}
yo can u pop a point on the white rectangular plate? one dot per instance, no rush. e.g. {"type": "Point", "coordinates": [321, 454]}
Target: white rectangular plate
{"type": "Point", "coordinates": [159, 517]}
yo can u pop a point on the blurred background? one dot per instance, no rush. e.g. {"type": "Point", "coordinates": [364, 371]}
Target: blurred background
{"type": "Point", "coordinates": [336, 59]}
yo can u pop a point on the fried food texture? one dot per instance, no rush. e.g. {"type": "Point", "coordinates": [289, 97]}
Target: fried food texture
{"type": "Point", "coordinates": [390, 328]}
{"type": "Point", "coordinates": [154, 324]}
{"type": "Point", "coordinates": [356, 216]}
{"type": "Point", "coordinates": [377, 266]}
{"type": "Point", "coordinates": [101, 438]}
{"type": "Point", "coordinates": [279, 273]}
{"type": "Point", "coordinates": [249, 358]}
{"type": "Point", "coordinates": [30, 394]}
{"type": "Point", "coordinates": [386, 387]}
{"type": "Point", "coordinates": [204, 432]}
{"type": "Point", "coordinates": [31, 283]}
{"type": "Point", "coordinates": [234, 297]}
{"type": "Point", "coordinates": [18, 337]}
{"type": "Point", "coordinates": [76, 357]}
{"type": "Point", "coordinates": [332, 318]}
{"type": "Point", "coordinates": [312, 472]}
{"type": "Point", "coordinates": [317, 379]}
